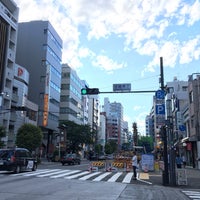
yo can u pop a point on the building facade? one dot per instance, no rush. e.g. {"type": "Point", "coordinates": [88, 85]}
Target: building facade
{"type": "Point", "coordinates": [193, 139]}
{"type": "Point", "coordinates": [27, 111]}
{"type": "Point", "coordinates": [71, 104]}
{"type": "Point", "coordinates": [8, 40]}
{"type": "Point", "coordinates": [39, 49]}
{"type": "Point", "coordinates": [116, 130]}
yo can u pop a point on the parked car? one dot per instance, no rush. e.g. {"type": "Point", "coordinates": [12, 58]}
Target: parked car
{"type": "Point", "coordinates": [17, 160]}
{"type": "Point", "coordinates": [71, 159]}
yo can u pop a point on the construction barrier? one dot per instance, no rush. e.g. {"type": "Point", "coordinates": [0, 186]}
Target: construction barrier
{"type": "Point", "coordinates": [98, 164]}
{"type": "Point", "coordinates": [118, 164]}
{"type": "Point", "coordinates": [124, 165]}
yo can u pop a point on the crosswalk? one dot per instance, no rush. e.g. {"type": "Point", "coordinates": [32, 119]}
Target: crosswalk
{"type": "Point", "coordinates": [122, 177]}
{"type": "Point", "coordinates": [192, 194]}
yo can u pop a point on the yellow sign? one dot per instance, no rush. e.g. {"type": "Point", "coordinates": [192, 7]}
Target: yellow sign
{"type": "Point", "coordinates": [46, 109]}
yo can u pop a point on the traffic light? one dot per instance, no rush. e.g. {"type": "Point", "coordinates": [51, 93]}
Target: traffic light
{"type": "Point", "coordinates": [89, 91]}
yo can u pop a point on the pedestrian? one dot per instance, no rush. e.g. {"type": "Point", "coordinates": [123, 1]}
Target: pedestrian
{"type": "Point", "coordinates": [135, 165]}
{"type": "Point", "coordinates": [179, 161]}
{"type": "Point", "coordinates": [184, 161]}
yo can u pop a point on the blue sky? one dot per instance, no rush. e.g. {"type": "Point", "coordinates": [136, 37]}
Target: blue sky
{"type": "Point", "coordinates": [121, 41]}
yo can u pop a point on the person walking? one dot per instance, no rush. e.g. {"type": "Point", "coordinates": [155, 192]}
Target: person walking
{"type": "Point", "coordinates": [134, 164]}
{"type": "Point", "coordinates": [184, 160]}
{"type": "Point", "coordinates": [179, 161]}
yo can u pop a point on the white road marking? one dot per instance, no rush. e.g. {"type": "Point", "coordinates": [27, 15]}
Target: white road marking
{"type": "Point", "coordinates": [115, 177]}
{"type": "Point", "coordinates": [89, 176]}
{"type": "Point", "coordinates": [99, 178]}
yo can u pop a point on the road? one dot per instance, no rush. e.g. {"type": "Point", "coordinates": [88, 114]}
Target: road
{"type": "Point", "coordinates": [53, 181]}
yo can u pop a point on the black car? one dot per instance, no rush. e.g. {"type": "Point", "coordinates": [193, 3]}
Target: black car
{"type": "Point", "coordinates": [71, 159]}
{"type": "Point", "coordinates": [17, 160]}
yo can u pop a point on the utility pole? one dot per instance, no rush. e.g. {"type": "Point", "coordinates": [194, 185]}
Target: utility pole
{"type": "Point", "coordinates": [163, 132]}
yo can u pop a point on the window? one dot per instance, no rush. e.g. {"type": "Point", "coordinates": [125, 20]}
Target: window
{"type": "Point", "coordinates": [64, 98]}
{"type": "Point", "coordinates": [191, 98]}
{"type": "Point", "coordinates": [184, 88]}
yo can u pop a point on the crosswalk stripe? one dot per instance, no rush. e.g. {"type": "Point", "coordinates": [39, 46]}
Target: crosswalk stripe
{"type": "Point", "coordinates": [195, 195]}
{"type": "Point", "coordinates": [42, 171]}
{"type": "Point", "coordinates": [89, 176]}
{"type": "Point", "coordinates": [77, 175]}
{"type": "Point", "coordinates": [99, 178]}
{"type": "Point", "coordinates": [52, 173]}
{"type": "Point", "coordinates": [127, 178]}
{"type": "Point", "coordinates": [115, 177]}
{"type": "Point", "coordinates": [65, 174]}
{"type": "Point", "coordinates": [82, 175]}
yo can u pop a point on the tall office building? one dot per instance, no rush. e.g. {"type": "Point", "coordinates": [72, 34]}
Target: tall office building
{"type": "Point", "coordinates": [71, 104]}
{"type": "Point", "coordinates": [39, 49]}
{"type": "Point", "coordinates": [115, 123]}
{"type": "Point", "coordinates": [8, 40]}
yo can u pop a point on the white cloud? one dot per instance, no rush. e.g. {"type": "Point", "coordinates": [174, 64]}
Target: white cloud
{"type": "Point", "coordinates": [149, 48]}
{"type": "Point", "coordinates": [85, 52]}
{"type": "Point", "coordinates": [190, 50]}
{"type": "Point", "coordinates": [194, 13]}
{"type": "Point", "coordinates": [141, 23]}
{"type": "Point", "coordinates": [136, 108]}
{"type": "Point", "coordinates": [169, 50]}
{"type": "Point", "coordinates": [107, 64]}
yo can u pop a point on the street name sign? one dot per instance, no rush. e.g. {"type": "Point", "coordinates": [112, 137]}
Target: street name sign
{"type": "Point", "coordinates": [123, 87]}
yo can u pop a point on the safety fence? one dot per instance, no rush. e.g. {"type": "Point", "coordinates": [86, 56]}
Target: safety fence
{"type": "Point", "coordinates": [116, 165]}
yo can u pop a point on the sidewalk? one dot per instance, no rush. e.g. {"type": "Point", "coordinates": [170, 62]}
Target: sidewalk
{"type": "Point", "coordinates": [192, 176]}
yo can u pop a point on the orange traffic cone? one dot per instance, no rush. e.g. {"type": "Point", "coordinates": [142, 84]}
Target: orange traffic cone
{"type": "Point", "coordinates": [90, 167]}
{"type": "Point", "coordinates": [128, 168]}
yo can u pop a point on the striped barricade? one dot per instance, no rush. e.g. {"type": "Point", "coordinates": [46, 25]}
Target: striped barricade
{"type": "Point", "coordinates": [96, 165]}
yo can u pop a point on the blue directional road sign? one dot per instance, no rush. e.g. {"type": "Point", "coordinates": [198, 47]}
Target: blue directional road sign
{"type": "Point", "coordinates": [182, 128]}
{"type": "Point", "coordinates": [160, 109]}
{"type": "Point", "coordinates": [160, 94]}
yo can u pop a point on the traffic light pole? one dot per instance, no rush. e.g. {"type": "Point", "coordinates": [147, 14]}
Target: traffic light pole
{"type": "Point", "coordinates": [137, 91]}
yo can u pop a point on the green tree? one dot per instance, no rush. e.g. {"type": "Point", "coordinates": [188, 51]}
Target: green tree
{"type": "Point", "coordinates": [147, 142]}
{"type": "Point", "coordinates": [135, 133]}
{"type": "Point", "coordinates": [2, 134]}
{"type": "Point", "coordinates": [76, 135]}
{"type": "Point", "coordinates": [98, 148]}
{"type": "Point", "coordinates": [29, 136]}
{"type": "Point", "coordinates": [108, 148]}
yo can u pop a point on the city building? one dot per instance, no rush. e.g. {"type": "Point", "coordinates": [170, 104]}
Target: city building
{"type": "Point", "coordinates": [176, 99]}
{"type": "Point", "coordinates": [102, 130]}
{"type": "Point", "coordinates": [115, 124]}
{"type": "Point", "coordinates": [149, 125]}
{"type": "Point", "coordinates": [193, 140]}
{"type": "Point", "coordinates": [71, 103]}
{"type": "Point", "coordinates": [39, 50]}
{"type": "Point", "coordinates": [8, 40]}
{"type": "Point", "coordinates": [22, 109]}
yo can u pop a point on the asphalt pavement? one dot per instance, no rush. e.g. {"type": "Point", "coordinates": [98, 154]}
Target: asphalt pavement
{"type": "Point", "coordinates": [190, 177]}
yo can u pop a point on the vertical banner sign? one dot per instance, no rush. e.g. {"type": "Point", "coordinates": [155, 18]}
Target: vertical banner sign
{"type": "Point", "coordinates": [46, 96]}
{"type": "Point", "coordinates": [46, 108]}
{"type": "Point", "coordinates": [47, 79]}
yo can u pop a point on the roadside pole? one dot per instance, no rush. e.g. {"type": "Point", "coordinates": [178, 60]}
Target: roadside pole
{"type": "Point", "coordinates": [164, 133]}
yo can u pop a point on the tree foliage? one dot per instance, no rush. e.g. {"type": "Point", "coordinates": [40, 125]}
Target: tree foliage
{"type": "Point", "coordinates": [77, 135]}
{"type": "Point", "coordinates": [2, 134]}
{"type": "Point", "coordinates": [29, 136]}
{"type": "Point", "coordinates": [147, 142]}
{"type": "Point", "coordinates": [110, 147]}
